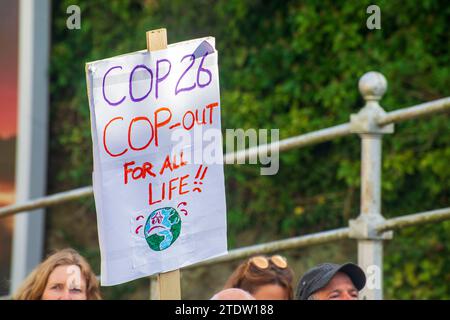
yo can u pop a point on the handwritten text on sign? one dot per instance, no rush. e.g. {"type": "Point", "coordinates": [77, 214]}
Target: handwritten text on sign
{"type": "Point", "coordinates": [157, 211]}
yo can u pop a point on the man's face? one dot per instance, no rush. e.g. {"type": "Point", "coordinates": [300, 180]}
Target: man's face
{"type": "Point", "coordinates": [339, 288]}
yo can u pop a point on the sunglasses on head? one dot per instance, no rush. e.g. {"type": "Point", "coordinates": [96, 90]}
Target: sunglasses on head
{"type": "Point", "coordinates": [263, 262]}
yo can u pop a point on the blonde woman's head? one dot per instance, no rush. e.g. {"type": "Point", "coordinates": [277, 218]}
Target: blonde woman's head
{"type": "Point", "coordinates": [64, 275]}
{"type": "Point", "coordinates": [265, 278]}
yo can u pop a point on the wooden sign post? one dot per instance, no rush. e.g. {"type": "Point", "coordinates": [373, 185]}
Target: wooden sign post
{"type": "Point", "coordinates": [168, 283]}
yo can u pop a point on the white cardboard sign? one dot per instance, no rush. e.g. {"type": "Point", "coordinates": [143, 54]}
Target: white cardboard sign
{"type": "Point", "coordinates": [160, 205]}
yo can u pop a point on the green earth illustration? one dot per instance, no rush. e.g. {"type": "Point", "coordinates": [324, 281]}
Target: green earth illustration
{"type": "Point", "coordinates": [162, 228]}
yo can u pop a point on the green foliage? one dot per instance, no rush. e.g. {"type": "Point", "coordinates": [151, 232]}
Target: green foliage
{"type": "Point", "coordinates": [418, 266]}
{"type": "Point", "coordinates": [292, 65]}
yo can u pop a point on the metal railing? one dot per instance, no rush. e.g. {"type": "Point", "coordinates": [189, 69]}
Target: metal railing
{"type": "Point", "coordinates": [370, 228]}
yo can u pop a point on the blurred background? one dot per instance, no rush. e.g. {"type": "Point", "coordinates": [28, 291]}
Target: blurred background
{"type": "Point", "coordinates": [292, 65]}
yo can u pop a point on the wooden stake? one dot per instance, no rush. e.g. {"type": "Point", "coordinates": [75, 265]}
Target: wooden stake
{"type": "Point", "coordinates": [168, 283]}
{"type": "Point", "coordinates": [156, 39]}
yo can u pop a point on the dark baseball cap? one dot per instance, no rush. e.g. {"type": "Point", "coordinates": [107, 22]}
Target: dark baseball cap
{"type": "Point", "coordinates": [319, 276]}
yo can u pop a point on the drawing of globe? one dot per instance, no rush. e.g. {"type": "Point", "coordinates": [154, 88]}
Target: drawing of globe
{"type": "Point", "coordinates": [162, 228]}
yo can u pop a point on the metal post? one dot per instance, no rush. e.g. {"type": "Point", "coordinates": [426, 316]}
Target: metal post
{"type": "Point", "coordinates": [370, 243]}
{"type": "Point", "coordinates": [28, 237]}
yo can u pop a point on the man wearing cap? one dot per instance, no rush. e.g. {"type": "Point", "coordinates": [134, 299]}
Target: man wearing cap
{"type": "Point", "coordinates": [331, 281]}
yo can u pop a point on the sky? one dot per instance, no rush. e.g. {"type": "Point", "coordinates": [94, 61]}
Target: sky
{"type": "Point", "coordinates": [8, 67]}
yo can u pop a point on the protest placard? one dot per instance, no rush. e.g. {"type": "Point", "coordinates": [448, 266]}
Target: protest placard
{"type": "Point", "coordinates": [160, 202]}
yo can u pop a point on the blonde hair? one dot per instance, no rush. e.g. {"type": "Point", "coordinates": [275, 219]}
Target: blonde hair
{"type": "Point", "coordinates": [34, 285]}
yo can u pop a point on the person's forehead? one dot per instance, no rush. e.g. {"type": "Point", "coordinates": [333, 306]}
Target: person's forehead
{"type": "Point", "coordinates": [271, 289]}
{"type": "Point", "coordinates": [62, 273]}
